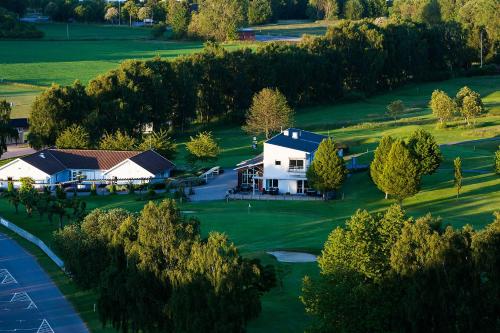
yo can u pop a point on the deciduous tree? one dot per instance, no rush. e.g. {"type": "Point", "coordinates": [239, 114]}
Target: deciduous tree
{"type": "Point", "coordinates": [442, 106]}
{"type": "Point", "coordinates": [117, 141]}
{"type": "Point", "coordinates": [396, 109]}
{"type": "Point", "coordinates": [6, 130]}
{"type": "Point", "coordinates": [469, 104]}
{"type": "Point", "coordinates": [218, 19]}
{"type": "Point", "coordinates": [259, 12]}
{"type": "Point", "coordinates": [203, 148]}
{"type": "Point", "coordinates": [160, 142]}
{"type": "Point", "coordinates": [73, 137]}
{"type": "Point", "coordinates": [178, 17]}
{"type": "Point", "coordinates": [269, 113]}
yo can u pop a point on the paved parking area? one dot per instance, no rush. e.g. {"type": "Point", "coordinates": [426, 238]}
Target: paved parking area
{"type": "Point", "coordinates": [29, 300]}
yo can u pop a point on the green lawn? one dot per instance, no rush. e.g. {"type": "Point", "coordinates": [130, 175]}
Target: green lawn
{"type": "Point", "coordinates": [91, 50]}
{"type": "Point", "coordinates": [21, 95]}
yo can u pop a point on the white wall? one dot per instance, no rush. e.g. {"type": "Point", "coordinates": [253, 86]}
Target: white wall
{"type": "Point", "coordinates": [128, 169]}
{"type": "Point", "coordinates": [18, 169]}
{"type": "Point", "coordinates": [287, 182]}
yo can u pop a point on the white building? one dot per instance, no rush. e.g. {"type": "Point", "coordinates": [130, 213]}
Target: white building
{"type": "Point", "coordinates": [282, 166]}
{"type": "Point", "coordinates": [53, 166]}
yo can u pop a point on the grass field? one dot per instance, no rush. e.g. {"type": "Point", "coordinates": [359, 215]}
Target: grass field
{"type": "Point", "coordinates": [91, 50]}
{"type": "Point", "coordinates": [21, 95]}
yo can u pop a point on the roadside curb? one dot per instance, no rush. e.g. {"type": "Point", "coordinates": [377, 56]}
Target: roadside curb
{"type": "Point", "coordinates": [35, 240]}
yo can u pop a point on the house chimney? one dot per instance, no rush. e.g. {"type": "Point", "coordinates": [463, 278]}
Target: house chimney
{"type": "Point", "coordinates": [295, 135]}
{"type": "Point", "coordinates": [285, 133]}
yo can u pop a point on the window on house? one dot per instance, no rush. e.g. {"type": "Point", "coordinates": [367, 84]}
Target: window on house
{"type": "Point", "coordinates": [271, 183]}
{"type": "Point", "coordinates": [277, 162]}
{"type": "Point", "coordinates": [247, 176]}
{"type": "Point", "coordinates": [296, 164]}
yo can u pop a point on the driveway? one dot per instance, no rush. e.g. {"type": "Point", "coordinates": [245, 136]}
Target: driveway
{"type": "Point", "coordinates": [16, 151]}
{"type": "Point", "coordinates": [29, 300]}
{"type": "Point", "coordinates": [216, 187]}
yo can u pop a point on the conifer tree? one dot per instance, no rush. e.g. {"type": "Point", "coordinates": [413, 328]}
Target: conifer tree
{"type": "Point", "coordinates": [327, 171]}
{"type": "Point", "coordinates": [377, 166]}
{"type": "Point", "coordinates": [401, 176]}
{"type": "Point", "coordinates": [426, 150]}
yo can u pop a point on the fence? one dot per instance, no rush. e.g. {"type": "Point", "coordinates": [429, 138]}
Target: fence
{"type": "Point", "coordinates": [238, 196]}
{"type": "Point", "coordinates": [26, 235]}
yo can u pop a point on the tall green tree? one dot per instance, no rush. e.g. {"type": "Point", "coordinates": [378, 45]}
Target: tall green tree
{"type": "Point", "coordinates": [354, 9]}
{"type": "Point", "coordinates": [442, 106]}
{"type": "Point", "coordinates": [259, 12]}
{"type": "Point", "coordinates": [160, 142]}
{"type": "Point", "coordinates": [130, 10]}
{"type": "Point", "coordinates": [379, 162]}
{"type": "Point", "coordinates": [327, 171]}
{"type": "Point", "coordinates": [269, 113]}
{"type": "Point", "coordinates": [6, 130]}
{"type": "Point", "coordinates": [73, 137]}
{"type": "Point", "coordinates": [457, 166]}
{"type": "Point", "coordinates": [396, 109]}
{"type": "Point", "coordinates": [469, 104]}
{"type": "Point", "coordinates": [425, 149]}
{"type": "Point", "coordinates": [117, 141]}
{"type": "Point", "coordinates": [401, 177]}
{"type": "Point", "coordinates": [218, 19]}
{"type": "Point", "coordinates": [56, 109]}
{"type": "Point", "coordinates": [203, 147]}
{"type": "Point", "coordinates": [178, 17]}
{"type": "Point", "coordinates": [324, 9]}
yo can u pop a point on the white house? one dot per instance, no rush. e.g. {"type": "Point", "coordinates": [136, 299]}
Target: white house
{"type": "Point", "coordinates": [281, 168]}
{"type": "Point", "coordinates": [52, 166]}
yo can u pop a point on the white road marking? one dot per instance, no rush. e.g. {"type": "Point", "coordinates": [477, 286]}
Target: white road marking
{"type": "Point", "coordinates": [45, 327]}
{"type": "Point", "coordinates": [23, 297]}
{"type": "Point", "coordinates": [6, 277]}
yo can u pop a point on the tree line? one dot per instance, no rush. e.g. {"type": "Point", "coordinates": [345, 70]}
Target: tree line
{"type": "Point", "coordinates": [153, 271]}
{"type": "Point", "coordinates": [355, 58]}
{"type": "Point", "coordinates": [12, 28]}
{"type": "Point", "coordinates": [387, 272]}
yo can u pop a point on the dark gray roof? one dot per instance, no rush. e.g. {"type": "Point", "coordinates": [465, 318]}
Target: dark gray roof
{"type": "Point", "coordinates": [45, 161]}
{"type": "Point", "coordinates": [52, 161]}
{"type": "Point", "coordinates": [259, 159]}
{"type": "Point", "coordinates": [306, 141]}
{"type": "Point", "coordinates": [152, 161]}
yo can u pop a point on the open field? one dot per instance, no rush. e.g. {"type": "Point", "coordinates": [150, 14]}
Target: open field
{"type": "Point", "coordinates": [91, 50]}
{"type": "Point", "coordinates": [21, 95]}
{"type": "Point", "coordinates": [292, 28]}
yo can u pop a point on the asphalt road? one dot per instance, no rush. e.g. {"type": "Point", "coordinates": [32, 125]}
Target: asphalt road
{"type": "Point", "coordinates": [29, 300]}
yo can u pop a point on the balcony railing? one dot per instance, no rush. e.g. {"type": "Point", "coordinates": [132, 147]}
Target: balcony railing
{"type": "Point", "coordinates": [296, 169]}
